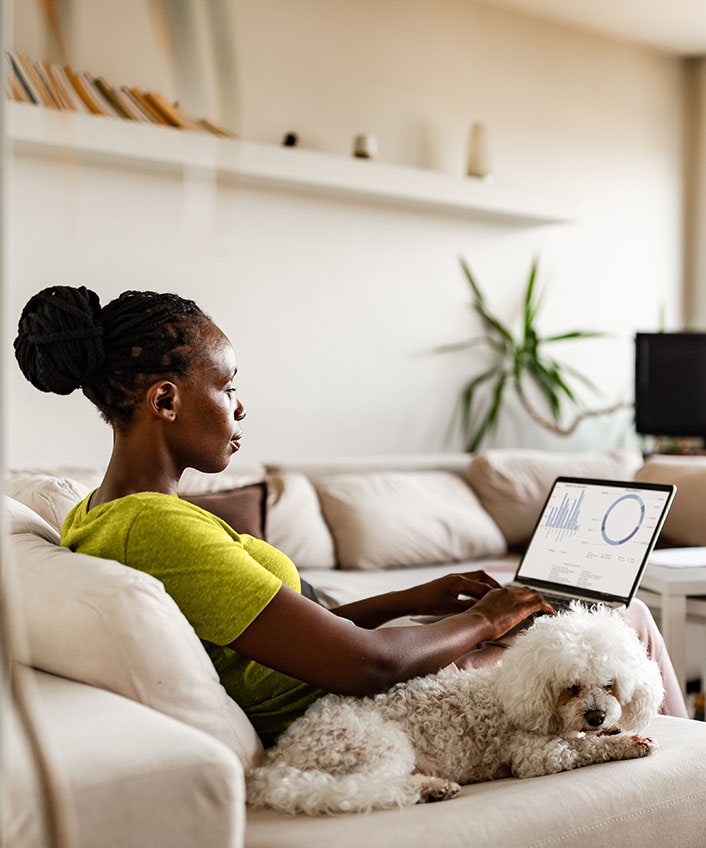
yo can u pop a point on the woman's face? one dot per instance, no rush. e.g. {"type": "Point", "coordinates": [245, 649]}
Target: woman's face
{"type": "Point", "coordinates": [209, 413]}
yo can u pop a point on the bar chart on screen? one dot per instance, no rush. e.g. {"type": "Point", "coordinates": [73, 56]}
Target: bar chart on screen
{"type": "Point", "coordinates": [563, 519]}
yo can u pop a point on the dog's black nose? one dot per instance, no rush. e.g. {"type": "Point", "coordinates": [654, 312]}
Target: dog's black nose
{"type": "Point", "coordinates": [594, 718]}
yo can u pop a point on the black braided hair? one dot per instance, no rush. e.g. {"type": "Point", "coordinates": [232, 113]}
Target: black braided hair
{"type": "Point", "coordinates": [65, 341]}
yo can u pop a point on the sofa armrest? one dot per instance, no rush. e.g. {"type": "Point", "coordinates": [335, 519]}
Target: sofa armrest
{"type": "Point", "coordinates": [135, 776]}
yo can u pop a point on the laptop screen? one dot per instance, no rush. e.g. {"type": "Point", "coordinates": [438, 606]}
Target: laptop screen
{"type": "Point", "coordinates": [593, 537]}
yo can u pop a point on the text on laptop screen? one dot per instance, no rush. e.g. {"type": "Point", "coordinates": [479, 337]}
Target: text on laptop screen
{"type": "Point", "coordinates": [594, 536]}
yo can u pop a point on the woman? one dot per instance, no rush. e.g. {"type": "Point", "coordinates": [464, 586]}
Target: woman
{"type": "Point", "coordinates": [162, 375]}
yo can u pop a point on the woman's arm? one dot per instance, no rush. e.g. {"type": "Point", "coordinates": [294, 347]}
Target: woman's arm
{"type": "Point", "coordinates": [449, 594]}
{"type": "Point", "coordinates": [299, 638]}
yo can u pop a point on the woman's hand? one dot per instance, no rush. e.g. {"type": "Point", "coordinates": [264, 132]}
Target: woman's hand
{"type": "Point", "coordinates": [449, 594]}
{"type": "Point", "coordinates": [506, 607]}
{"type": "Point", "coordinates": [444, 596]}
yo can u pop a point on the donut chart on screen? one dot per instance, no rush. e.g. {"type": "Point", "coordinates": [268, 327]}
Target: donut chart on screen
{"type": "Point", "coordinates": [623, 519]}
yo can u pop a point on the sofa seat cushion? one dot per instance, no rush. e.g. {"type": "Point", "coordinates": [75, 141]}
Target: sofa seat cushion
{"type": "Point", "coordinates": [685, 525]}
{"type": "Point", "coordinates": [513, 485]}
{"type": "Point", "coordinates": [650, 803]}
{"type": "Point", "coordinates": [339, 586]}
{"type": "Point", "coordinates": [99, 622]}
{"type": "Point", "coordinates": [134, 777]}
{"type": "Point", "coordinates": [383, 519]}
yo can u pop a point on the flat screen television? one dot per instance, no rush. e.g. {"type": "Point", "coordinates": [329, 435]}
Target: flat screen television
{"type": "Point", "coordinates": [670, 384]}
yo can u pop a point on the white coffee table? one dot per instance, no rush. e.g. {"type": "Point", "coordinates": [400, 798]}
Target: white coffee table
{"type": "Point", "coordinates": [676, 594]}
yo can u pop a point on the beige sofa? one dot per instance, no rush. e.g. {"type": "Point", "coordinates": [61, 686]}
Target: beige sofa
{"type": "Point", "coordinates": [153, 750]}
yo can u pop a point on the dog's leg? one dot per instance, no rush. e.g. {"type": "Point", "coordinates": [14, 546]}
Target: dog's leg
{"type": "Point", "coordinates": [342, 756]}
{"type": "Point", "coordinates": [533, 756]}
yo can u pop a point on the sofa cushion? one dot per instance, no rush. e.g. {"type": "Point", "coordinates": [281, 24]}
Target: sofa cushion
{"type": "Point", "coordinates": [654, 802]}
{"type": "Point", "coordinates": [403, 518]}
{"type": "Point", "coordinates": [99, 622]}
{"type": "Point", "coordinates": [294, 521]}
{"type": "Point", "coordinates": [51, 495]}
{"type": "Point", "coordinates": [513, 485]}
{"type": "Point", "coordinates": [243, 509]}
{"type": "Point", "coordinates": [685, 525]}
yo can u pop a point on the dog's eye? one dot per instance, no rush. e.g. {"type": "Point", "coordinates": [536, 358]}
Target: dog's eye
{"type": "Point", "coordinates": [573, 690]}
{"type": "Point", "coordinates": [609, 686]}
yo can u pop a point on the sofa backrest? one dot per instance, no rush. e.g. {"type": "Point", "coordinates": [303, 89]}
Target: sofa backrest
{"type": "Point", "coordinates": [513, 485]}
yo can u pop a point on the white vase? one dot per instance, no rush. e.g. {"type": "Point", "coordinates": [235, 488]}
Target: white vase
{"type": "Point", "coordinates": [478, 163]}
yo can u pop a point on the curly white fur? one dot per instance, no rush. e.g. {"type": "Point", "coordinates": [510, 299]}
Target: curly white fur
{"type": "Point", "coordinates": [572, 690]}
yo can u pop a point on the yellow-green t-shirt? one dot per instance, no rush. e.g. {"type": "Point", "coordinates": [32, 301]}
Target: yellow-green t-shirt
{"type": "Point", "coordinates": [221, 581]}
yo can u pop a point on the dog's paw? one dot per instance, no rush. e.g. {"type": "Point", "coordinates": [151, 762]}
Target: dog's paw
{"type": "Point", "coordinates": [641, 746]}
{"type": "Point", "coordinates": [438, 789]}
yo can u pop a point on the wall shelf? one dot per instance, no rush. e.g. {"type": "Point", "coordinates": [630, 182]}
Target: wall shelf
{"type": "Point", "coordinates": [116, 142]}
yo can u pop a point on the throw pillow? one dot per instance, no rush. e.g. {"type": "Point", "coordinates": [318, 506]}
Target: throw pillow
{"type": "Point", "coordinates": [513, 485]}
{"type": "Point", "coordinates": [685, 524]}
{"type": "Point", "coordinates": [50, 496]}
{"type": "Point", "coordinates": [295, 524]}
{"type": "Point", "coordinates": [243, 509]}
{"type": "Point", "coordinates": [405, 518]}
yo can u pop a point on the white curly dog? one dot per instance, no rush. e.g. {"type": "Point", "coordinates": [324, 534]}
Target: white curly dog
{"type": "Point", "coordinates": [573, 690]}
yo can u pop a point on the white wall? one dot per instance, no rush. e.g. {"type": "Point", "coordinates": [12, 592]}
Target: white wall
{"type": "Point", "coordinates": [335, 307]}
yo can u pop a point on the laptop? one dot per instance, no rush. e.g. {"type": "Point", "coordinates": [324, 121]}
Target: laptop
{"type": "Point", "coordinates": [592, 540]}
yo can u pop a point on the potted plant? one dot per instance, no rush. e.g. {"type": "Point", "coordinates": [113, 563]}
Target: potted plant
{"type": "Point", "coordinates": [520, 360]}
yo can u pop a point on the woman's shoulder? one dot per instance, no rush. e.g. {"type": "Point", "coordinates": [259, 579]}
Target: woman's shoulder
{"type": "Point", "coordinates": [156, 509]}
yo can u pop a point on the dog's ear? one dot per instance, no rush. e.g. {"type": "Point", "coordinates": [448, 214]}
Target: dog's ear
{"type": "Point", "coordinates": [529, 709]}
{"type": "Point", "coordinates": [526, 689]}
{"type": "Point", "coordinates": [641, 696]}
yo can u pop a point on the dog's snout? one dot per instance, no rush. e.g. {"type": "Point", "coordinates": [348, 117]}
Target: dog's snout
{"type": "Point", "coordinates": [594, 718]}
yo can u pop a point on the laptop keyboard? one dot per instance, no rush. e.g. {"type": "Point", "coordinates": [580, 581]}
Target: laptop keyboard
{"type": "Point", "coordinates": [559, 602]}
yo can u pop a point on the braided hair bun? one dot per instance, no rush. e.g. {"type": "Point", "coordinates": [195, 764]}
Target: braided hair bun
{"type": "Point", "coordinates": [59, 340]}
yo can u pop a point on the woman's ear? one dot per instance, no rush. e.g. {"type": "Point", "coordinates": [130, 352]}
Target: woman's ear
{"type": "Point", "coordinates": [162, 399]}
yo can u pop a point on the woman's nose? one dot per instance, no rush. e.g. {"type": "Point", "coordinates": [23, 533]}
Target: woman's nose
{"type": "Point", "coordinates": [240, 412]}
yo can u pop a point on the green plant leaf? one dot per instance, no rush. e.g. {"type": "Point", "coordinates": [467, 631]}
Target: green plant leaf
{"type": "Point", "coordinates": [530, 311]}
{"type": "Point", "coordinates": [491, 416]}
{"type": "Point", "coordinates": [547, 385]}
{"type": "Point", "coordinates": [574, 334]}
{"type": "Point", "coordinates": [463, 345]}
{"type": "Point", "coordinates": [480, 306]}
{"type": "Point", "coordinates": [578, 375]}
{"type": "Point", "coordinates": [469, 394]}
{"type": "Point", "coordinates": [554, 369]}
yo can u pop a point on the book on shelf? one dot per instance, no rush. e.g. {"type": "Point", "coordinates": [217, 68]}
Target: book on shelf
{"type": "Point", "coordinates": [90, 94]}
{"type": "Point", "coordinates": [13, 86]}
{"type": "Point", "coordinates": [147, 115]}
{"type": "Point", "coordinates": [63, 84]}
{"type": "Point", "coordinates": [130, 106]}
{"type": "Point", "coordinates": [24, 80]}
{"type": "Point", "coordinates": [111, 95]}
{"type": "Point", "coordinates": [170, 113]}
{"type": "Point", "coordinates": [105, 101]}
{"type": "Point", "coordinates": [214, 128]}
{"type": "Point", "coordinates": [140, 97]}
{"type": "Point", "coordinates": [46, 96]}
{"type": "Point", "coordinates": [60, 92]}
{"type": "Point", "coordinates": [42, 69]}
